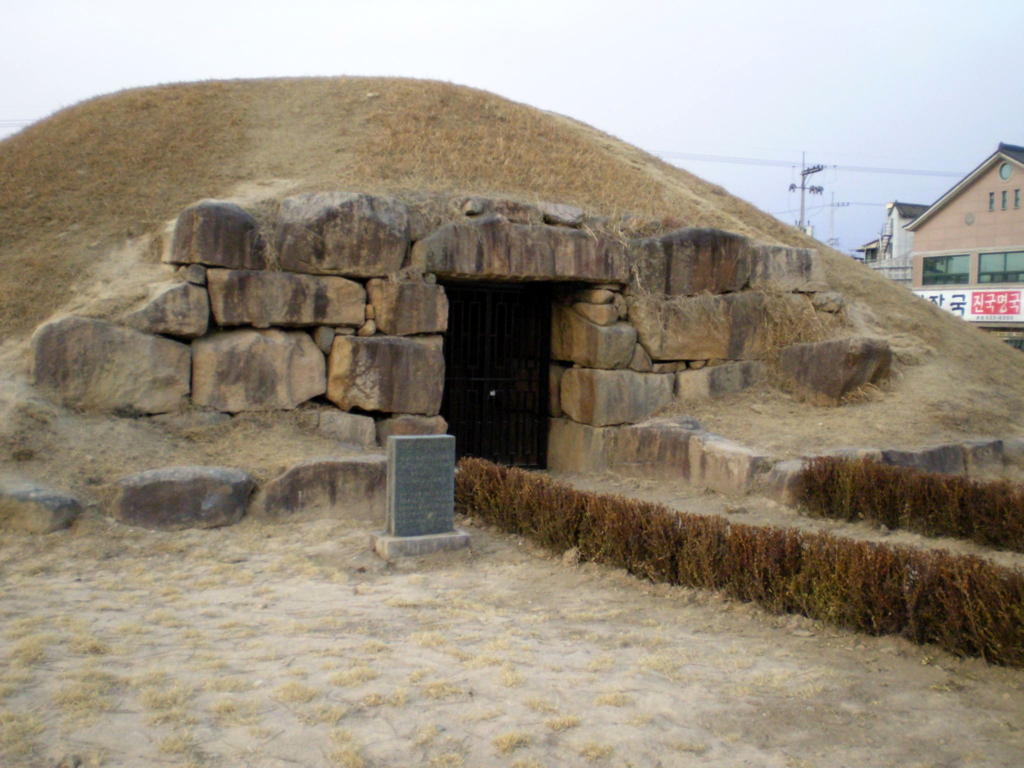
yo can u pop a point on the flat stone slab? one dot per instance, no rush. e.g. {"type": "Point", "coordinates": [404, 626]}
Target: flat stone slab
{"type": "Point", "coordinates": [390, 547]}
{"type": "Point", "coordinates": [492, 247]}
{"type": "Point", "coordinates": [31, 508]}
{"type": "Point", "coordinates": [183, 497]}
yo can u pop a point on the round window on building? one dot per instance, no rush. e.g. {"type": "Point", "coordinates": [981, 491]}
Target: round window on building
{"type": "Point", "coordinates": [1005, 171]}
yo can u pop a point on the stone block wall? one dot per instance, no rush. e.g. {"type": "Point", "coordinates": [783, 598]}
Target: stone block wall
{"type": "Point", "coordinates": [334, 299]}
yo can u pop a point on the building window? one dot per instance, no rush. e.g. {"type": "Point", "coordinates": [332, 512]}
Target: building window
{"type": "Point", "coordinates": [991, 201]}
{"type": "Point", "coordinates": [1004, 199]}
{"type": "Point", "coordinates": [946, 270]}
{"type": "Point", "coordinates": [1001, 267]}
{"type": "Point", "coordinates": [1005, 170]}
{"type": "Point", "coordinates": [1016, 198]}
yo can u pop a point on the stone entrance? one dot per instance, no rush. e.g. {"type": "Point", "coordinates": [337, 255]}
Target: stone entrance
{"type": "Point", "coordinates": [497, 355]}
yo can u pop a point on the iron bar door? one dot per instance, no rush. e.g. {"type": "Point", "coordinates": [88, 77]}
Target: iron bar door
{"type": "Point", "coordinates": [497, 355]}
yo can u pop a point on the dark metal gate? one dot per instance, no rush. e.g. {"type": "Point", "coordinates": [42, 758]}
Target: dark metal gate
{"type": "Point", "coordinates": [496, 354]}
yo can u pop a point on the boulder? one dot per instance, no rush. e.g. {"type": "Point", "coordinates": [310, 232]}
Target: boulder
{"type": "Point", "coordinates": [409, 424]}
{"type": "Point", "coordinates": [707, 383]}
{"type": "Point", "coordinates": [386, 373]}
{"type": "Point", "coordinates": [177, 309]}
{"type": "Point", "coordinates": [338, 233]}
{"type": "Point", "coordinates": [265, 299]}
{"type": "Point", "coordinates": [96, 365]}
{"type": "Point", "coordinates": [578, 448]}
{"type": "Point", "coordinates": [724, 466]}
{"type": "Point", "coordinates": [778, 268]}
{"type": "Point", "coordinates": [218, 234]}
{"type": "Point", "coordinates": [350, 489]}
{"type": "Point", "coordinates": [183, 497]}
{"type": "Point", "coordinates": [824, 372]}
{"type": "Point", "coordinates": [31, 508]}
{"type": "Point", "coordinates": [691, 261]}
{"type": "Point", "coordinates": [603, 398]}
{"type": "Point", "coordinates": [492, 247]}
{"type": "Point", "coordinates": [404, 308]}
{"type": "Point", "coordinates": [828, 301]}
{"type": "Point", "coordinates": [250, 370]}
{"type": "Point", "coordinates": [561, 215]}
{"type": "Point", "coordinates": [576, 339]}
{"type": "Point", "coordinates": [348, 428]}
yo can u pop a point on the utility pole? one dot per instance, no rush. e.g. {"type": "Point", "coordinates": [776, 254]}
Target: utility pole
{"type": "Point", "coordinates": [806, 171]}
{"type": "Point", "coordinates": [832, 239]}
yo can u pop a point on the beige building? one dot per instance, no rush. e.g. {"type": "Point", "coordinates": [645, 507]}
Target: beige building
{"type": "Point", "coordinates": [968, 255]}
{"type": "Point", "coordinates": [892, 252]}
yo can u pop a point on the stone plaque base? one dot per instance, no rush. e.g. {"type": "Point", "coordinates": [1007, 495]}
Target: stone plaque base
{"type": "Point", "coordinates": [390, 547]}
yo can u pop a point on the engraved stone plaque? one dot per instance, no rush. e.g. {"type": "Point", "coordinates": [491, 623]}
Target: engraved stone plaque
{"type": "Point", "coordinates": [421, 484]}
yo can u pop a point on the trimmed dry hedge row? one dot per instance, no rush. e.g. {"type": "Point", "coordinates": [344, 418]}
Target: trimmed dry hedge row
{"type": "Point", "coordinates": [990, 513]}
{"type": "Point", "coordinates": [963, 604]}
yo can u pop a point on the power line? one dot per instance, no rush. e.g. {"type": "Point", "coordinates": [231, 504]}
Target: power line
{"type": "Point", "coordinates": [794, 164]}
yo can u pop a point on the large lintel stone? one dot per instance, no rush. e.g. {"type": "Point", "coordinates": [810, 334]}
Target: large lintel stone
{"type": "Point", "coordinates": [96, 365]}
{"type": "Point", "coordinates": [491, 247]}
{"type": "Point", "coordinates": [263, 299]}
{"type": "Point", "coordinates": [386, 373]}
{"type": "Point", "coordinates": [339, 233]}
{"type": "Point", "coordinates": [250, 370]}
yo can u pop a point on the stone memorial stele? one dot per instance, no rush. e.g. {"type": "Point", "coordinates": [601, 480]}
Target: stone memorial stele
{"type": "Point", "coordinates": [420, 497]}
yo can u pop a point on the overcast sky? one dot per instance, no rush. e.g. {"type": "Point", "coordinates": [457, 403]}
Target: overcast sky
{"type": "Point", "coordinates": [913, 85]}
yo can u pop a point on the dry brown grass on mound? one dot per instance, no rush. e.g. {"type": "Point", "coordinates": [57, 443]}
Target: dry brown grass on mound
{"type": "Point", "coordinates": [80, 181]}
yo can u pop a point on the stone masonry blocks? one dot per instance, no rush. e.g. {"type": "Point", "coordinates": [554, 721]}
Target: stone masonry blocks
{"type": "Point", "coordinates": [249, 370]}
{"type": "Point", "coordinates": [386, 373]}
{"type": "Point", "coordinates": [603, 398]}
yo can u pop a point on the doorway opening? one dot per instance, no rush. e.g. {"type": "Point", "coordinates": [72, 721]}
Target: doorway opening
{"type": "Point", "coordinates": [497, 356]}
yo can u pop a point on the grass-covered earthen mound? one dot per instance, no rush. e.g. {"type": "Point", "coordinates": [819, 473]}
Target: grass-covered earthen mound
{"type": "Point", "coordinates": [81, 182]}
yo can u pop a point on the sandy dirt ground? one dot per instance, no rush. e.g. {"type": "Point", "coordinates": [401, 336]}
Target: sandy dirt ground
{"type": "Point", "coordinates": [292, 645]}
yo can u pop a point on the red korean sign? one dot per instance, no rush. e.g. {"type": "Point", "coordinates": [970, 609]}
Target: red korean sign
{"type": "Point", "coordinates": [1001, 306]}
